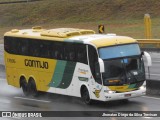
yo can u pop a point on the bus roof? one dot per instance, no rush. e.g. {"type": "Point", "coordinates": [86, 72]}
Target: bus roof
{"type": "Point", "coordinates": [72, 35]}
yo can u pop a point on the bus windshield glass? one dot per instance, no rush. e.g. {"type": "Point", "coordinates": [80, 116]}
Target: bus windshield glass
{"type": "Point", "coordinates": [119, 51]}
{"type": "Point", "coordinates": [122, 63]}
{"type": "Point", "coordinates": [126, 70]}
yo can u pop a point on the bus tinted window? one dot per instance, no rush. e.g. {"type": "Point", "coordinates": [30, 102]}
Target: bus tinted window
{"type": "Point", "coordinates": [81, 53]}
{"type": "Point", "coordinates": [70, 52]}
{"type": "Point", "coordinates": [46, 49]}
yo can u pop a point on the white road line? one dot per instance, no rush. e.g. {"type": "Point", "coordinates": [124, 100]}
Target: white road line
{"type": "Point", "coordinates": [3, 79]}
{"type": "Point", "coordinates": [32, 99]}
{"type": "Point", "coordinates": [5, 101]}
{"type": "Point", "coordinates": [148, 117]}
{"type": "Point", "coordinates": [151, 97]}
{"type": "Point", "coordinates": [154, 74]}
{"type": "Point", "coordinates": [156, 61]}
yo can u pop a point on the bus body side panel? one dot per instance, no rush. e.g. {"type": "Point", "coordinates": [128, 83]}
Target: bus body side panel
{"type": "Point", "coordinates": [40, 69]}
{"type": "Point", "coordinates": [11, 71]}
{"type": "Point", "coordinates": [81, 75]}
{"type": "Point", "coordinates": [59, 76]}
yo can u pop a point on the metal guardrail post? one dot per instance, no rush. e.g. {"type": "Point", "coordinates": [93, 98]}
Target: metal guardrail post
{"type": "Point", "coordinates": [147, 22]}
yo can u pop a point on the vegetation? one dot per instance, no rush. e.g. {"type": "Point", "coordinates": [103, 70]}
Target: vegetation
{"type": "Point", "coordinates": [123, 17]}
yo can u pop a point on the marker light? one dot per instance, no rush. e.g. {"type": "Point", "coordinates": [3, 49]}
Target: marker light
{"type": "Point", "coordinates": [114, 81]}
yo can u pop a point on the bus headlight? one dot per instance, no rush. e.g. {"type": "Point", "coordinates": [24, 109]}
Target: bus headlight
{"type": "Point", "coordinates": [109, 91]}
{"type": "Point", "coordinates": [143, 87]}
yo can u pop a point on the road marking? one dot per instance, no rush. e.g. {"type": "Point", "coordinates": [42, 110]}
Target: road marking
{"type": "Point", "coordinates": [2, 79]}
{"type": "Point", "coordinates": [148, 117]}
{"type": "Point", "coordinates": [32, 99]}
{"type": "Point", "coordinates": [153, 74]}
{"type": "Point", "coordinates": [151, 97]}
{"type": "Point", "coordinates": [5, 101]}
{"type": "Point", "coordinates": [153, 61]}
{"type": "Point", "coordinates": [156, 61]}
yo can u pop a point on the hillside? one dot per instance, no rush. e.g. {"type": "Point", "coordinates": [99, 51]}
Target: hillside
{"type": "Point", "coordinates": [81, 13]}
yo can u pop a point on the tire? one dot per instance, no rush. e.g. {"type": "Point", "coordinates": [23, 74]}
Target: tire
{"type": "Point", "coordinates": [24, 86]}
{"type": "Point", "coordinates": [32, 89]}
{"type": "Point", "coordinates": [85, 96]}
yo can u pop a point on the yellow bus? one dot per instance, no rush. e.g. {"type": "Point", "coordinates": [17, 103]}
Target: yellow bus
{"type": "Point", "coordinates": [75, 62]}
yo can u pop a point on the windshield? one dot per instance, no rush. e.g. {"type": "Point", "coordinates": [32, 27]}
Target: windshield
{"type": "Point", "coordinates": [119, 51]}
{"type": "Point", "coordinates": [126, 70]}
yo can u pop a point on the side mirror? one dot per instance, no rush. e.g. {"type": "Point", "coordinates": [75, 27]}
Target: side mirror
{"type": "Point", "coordinates": [101, 65]}
{"type": "Point", "coordinates": [148, 58]}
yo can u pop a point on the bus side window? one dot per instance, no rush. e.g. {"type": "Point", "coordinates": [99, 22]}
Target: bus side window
{"type": "Point", "coordinates": [93, 60]}
{"type": "Point", "coordinates": [15, 45]}
{"type": "Point", "coordinates": [24, 47]}
{"type": "Point", "coordinates": [58, 51]}
{"type": "Point", "coordinates": [7, 44]}
{"type": "Point", "coordinates": [81, 53]}
{"type": "Point", "coordinates": [69, 52]}
{"type": "Point", "coordinates": [45, 49]}
{"type": "Point", "coordinates": [34, 48]}
{"type": "Point", "coordinates": [19, 46]}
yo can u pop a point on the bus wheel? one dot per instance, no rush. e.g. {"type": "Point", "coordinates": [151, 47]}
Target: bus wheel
{"type": "Point", "coordinates": [24, 86]}
{"type": "Point", "coordinates": [32, 89]}
{"type": "Point", "coordinates": [85, 96]}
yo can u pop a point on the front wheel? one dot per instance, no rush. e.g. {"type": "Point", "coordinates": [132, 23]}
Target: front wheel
{"type": "Point", "coordinates": [85, 96]}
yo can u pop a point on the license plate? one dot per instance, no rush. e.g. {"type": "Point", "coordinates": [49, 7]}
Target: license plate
{"type": "Point", "coordinates": [127, 95]}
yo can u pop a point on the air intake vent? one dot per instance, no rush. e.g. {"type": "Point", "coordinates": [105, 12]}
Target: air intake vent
{"type": "Point", "coordinates": [37, 29]}
{"type": "Point", "coordinates": [65, 32]}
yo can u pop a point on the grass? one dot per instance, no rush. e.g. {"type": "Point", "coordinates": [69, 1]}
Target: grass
{"type": "Point", "coordinates": [132, 28]}
{"type": "Point", "coordinates": [123, 17]}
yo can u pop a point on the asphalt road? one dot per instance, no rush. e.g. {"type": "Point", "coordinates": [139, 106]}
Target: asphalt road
{"type": "Point", "coordinates": [155, 68]}
{"type": "Point", "coordinates": [12, 99]}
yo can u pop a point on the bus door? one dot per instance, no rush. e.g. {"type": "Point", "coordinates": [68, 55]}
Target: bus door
{"type": "Point", "coordinates": [95, 80]}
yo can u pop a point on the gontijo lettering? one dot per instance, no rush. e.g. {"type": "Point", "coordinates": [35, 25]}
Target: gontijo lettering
{"type": "Point", "coordinates": [36, 64]}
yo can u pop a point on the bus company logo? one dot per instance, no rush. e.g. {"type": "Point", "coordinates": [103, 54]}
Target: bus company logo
{"type": "Point", "coordinates": [82, 71]}
{"type": "Point", "coordinates": [36, 64]}
{"type": "Point", "coordinates": [6, 114]}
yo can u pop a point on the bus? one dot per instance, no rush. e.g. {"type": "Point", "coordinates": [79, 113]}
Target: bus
{"type": "Point", "coordinates": [75, 62]}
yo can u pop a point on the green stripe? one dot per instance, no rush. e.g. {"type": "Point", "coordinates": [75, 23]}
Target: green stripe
{"type": "Point", "coordinates": [132, 86]}
{"type": "Point", "coordinates": [68, 75]}
{"type": "Point", "coordinates": [58, 73]}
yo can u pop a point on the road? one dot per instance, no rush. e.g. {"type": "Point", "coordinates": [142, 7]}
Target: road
{"type": "Point", "coordinates": [12, 99]}
{"type": "Point", "coordinates": [155, 68]}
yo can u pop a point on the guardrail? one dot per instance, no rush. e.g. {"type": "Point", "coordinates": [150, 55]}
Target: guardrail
{"type": "Point", "coordinates": [149, 43]}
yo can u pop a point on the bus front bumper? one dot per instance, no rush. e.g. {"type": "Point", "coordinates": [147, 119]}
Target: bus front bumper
{"type": "Point", "coordinates": [125, 95]}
